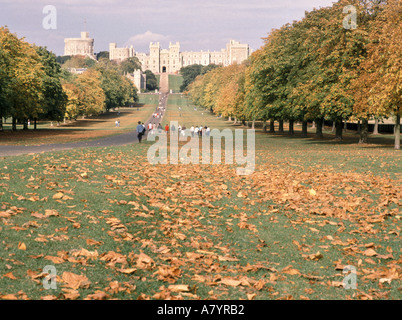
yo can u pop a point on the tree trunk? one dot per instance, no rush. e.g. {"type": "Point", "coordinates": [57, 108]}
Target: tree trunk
{"type": "Point", "coordinates": [376, 127]}
{"type": "Point", "coordinates": [1, 123]}
{"type": "Point", "coordinates": [319, 122]}
{"type": "Point", "coordinates": [291, 127]}
{"type": "Point", "coordinates": [14, 124]}
{"type": "Point", "coordinates": [345, 126]}
{"type": "Point", "coordinates": [304, 128]}
{"type": "Point", "coordinates": [364, 131]}
{"type": "Point", "coordinates": [281, 126]}
{"type": "Point", "coordinates": [243, 122]}
{"type": "Point", "coordinates": [25, 126]}
{"type": "Point", "coordinates": [35, 123]}
{"type": "Point", "coordinates": [264, 126]}
{"type": "Point", "coordinates": [313, 127]}
{"type": "Point", "coordinates": [253, 124]}
{"type": "Point", "coordinates": [230, 118]}
{"type": "Point", "coordinates": [235, 120]}
{"type": "Point", "coordinates": [359, 127]}
{"type": "Point", "coordinates": [339, 129]}
{"type": "Point", "coordinates": [398, 132]}
{"type": "Point", "coordinates": [333, 126]}
{"type": "Point", "coordinates": [272, 126]}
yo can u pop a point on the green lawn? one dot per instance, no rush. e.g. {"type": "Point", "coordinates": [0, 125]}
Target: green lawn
{"type": "Point", "coordinates": [175, 82]}
{"type": "Point", "coordinates": [135, 230]}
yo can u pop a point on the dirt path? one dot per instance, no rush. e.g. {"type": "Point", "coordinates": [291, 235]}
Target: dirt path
{"type": "Point", "coordinates": [117, 140]}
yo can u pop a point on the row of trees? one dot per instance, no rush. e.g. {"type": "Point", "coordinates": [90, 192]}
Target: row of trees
{"type": "Point", "coordinates": [315, 70]}
{"type": "Point", "coordinates": [33, 85]}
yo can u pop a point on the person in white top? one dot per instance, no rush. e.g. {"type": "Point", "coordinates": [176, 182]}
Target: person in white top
{"type": "Point", "coordinates": [192, 131]}
{"type": "Point", "coordinates": [196, 130]}
{"type": "Point", "coordinates": [207, 131]}
{"type": "Point", "coordinates": [150, 127]}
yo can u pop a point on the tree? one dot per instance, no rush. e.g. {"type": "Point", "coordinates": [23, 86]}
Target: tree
{"type": "Point", "coordinates": [54, 99]}
{"type": "Point", "coordinates": [151, 82]}
{"type": "Point", "coordinates": [102, 55]}
{"type": "Point", "coordinates": [381, 73]}
{"type": "Point", "coordinates": [21, 92]}
{"type": "Point", "coordinates": [90, 95]}
{"type": "Point", "coordinates": [129, 65]}
{"type": "Point", "coordinates": [191, 72]}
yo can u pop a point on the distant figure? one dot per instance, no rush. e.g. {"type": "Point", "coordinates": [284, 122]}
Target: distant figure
{"type": "Point", "coordinates": [116, 123]}
{"type": "Point", "coordinates": [173, 128]}
{"type": "Point", "coordinates": [159, 128]}
{"type": "Point", "coordinates": [167, 128]}
{"type": "Point", "coordinates": [192, 131]}
{"type": "Point", "coordinates": [140, 130]}
{"type": "Point", "coordinates": [207, 131]}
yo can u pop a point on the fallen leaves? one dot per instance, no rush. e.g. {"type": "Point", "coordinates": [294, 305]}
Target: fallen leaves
{"type": "Point", "coordinates": [22, 246]}
{"type": "Point", "coordinates": [75, 281]}
{"type": "Point", "coordinates": [145, 262]}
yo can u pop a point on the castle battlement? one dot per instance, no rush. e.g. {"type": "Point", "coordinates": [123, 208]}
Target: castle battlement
{"type": "Point", "coordinates": [171, 60]}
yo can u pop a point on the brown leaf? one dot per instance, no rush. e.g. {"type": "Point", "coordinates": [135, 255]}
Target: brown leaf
{"type": "Point", "coordinates": [22, 246]}
{"type": "Point", "coordinates": [230, 282]}
{"type": "Point", "coordinates": [55, 260]}
{"type": "Point", "coordinates": [370, 253]}
{"type": "Point", "coordinates": [179, 288]}
{"type": "Point", "coordinates": [49, 297]}
{"type": "Point", "coordinates": [98, 295]}
{"type": "Point", "coordinates": [145, 262]}
{"type": "Point", "coordinates": [127, 271]}
{"type": "Point", "coordinates": [291, 271]}
{"type": "Point", "coordinates": [9, 275]}
{"type": "Point", "coordinates": [75, 281]}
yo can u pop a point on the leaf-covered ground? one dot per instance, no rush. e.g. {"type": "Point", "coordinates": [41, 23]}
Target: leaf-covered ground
{"type": "Point", "coordinates": [116, 227]}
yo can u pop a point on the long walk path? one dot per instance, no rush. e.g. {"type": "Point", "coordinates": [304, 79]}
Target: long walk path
{"type": "Point", "coordinates": [117, 140]}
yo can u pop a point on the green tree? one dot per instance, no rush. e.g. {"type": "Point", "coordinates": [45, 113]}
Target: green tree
{"type": "Point", "coordinates": [151, 82]}
{"type": "Point", "coordinates": [21, 92]}
{"type": "Point", "coordinates": [54, 99]}
{"type": "Point", "coordinates": [130, 65]}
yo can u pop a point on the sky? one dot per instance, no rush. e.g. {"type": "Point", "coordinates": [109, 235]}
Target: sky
{"type": "Point", "coordinates": [196, 24]}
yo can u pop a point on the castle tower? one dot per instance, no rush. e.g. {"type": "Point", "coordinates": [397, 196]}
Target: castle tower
{"type": "Point", "coordinates": [154, 57]}
{"type": "Point", "coordinates": [174, 58]}
{"type": "Point", "coordinates": [112, 48]}
{"type": "Point", "coordinates": [83, 46]}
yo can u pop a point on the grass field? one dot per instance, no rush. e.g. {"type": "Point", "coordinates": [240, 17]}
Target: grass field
{"type": "Point", "coordinates": [115, 226]}
{"type": "Point", "coordinates": [175, 82]}
{"type": "Point", "coordinates": [83, 129]}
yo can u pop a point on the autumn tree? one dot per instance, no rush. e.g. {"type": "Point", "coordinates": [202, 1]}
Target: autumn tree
{"type": "Point", "coordinates": [21, 92]}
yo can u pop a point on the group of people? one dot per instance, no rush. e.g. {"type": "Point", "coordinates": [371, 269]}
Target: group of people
{"type": "Point", "coordinates": [200, 131]}
{"type": "Point", "coordinates": [153, 128]}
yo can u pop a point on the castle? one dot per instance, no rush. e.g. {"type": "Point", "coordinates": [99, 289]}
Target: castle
{"type": "Point", "coordinates": [159, 60]}
{"type": "Point", "coordinates": [83, 46]}
{"type": "Point", "coordinates": [172, 60]}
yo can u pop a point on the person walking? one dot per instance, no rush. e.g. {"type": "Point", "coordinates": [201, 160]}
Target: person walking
{"type": "Point", "coordinates": [140, 131]}
{"type": "Point", "coordinates": [192, 131]}
{"type": "Point", "coordinates": [167, 128]}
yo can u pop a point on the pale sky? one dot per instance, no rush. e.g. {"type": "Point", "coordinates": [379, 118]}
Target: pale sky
{"type": "Point", "coordinates": [196, 24]}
